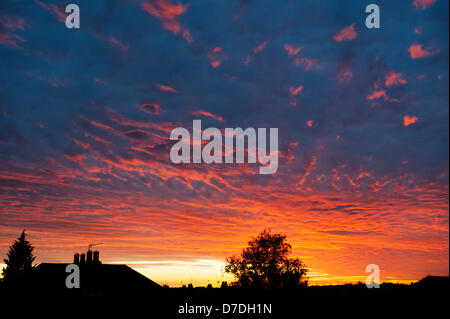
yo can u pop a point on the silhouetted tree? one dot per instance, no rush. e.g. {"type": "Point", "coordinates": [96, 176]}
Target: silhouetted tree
{"type": "Point", "coordinates": [265, 263]}
{"type": "Point", "coordinates": [19, 261]}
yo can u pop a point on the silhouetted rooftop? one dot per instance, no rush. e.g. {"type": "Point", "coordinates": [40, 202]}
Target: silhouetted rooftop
{"type": "Point", "coordinates": [95, 280]}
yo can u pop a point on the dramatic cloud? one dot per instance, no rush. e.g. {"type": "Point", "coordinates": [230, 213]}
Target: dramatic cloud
{"type": "Point", "coordinates": [207, 114]}
{"type": "Point", "coordinates": [423, 4]}
{"type": "Point", "coordinates": [376, 95]}
{"type": "Point", "coordinates": [216, 56]}
{"type": "Point", "coordinates": [260, 48]}
{"type": "Point", "coordinates": [152, 108]}
{"type": "Point", "coordinates": [8, 40]}
{"type": "Point", "coordinates": [377, 91]}
{"type": "Point", "coordinates": [408, 120]}
{"type": "Point", "coordinates": [166, 88]}
{"type": "Point", "coordinates": [291, 50]}
{"type": "Point", "coordinates": [345, 76]}
{"type": "Point", "coordinates": [305, 62]}
{"type": "Point", "coordinates": [12, 22]}
{"type": "Point", "coordinates": [417, 52]}
{"type": "Point", "coordinates": [295, 90]}
{"type": "Point", "coordinates": [257, 50]}
{"type": "Point", "coordinates": [346, 34]}
{"type": "Point", "coordinates": [393, 78]}
{"type": "Point", "coordinates": [59, 13]}
{"type": "Point", "coordinates": [168, 13]}
{"type": "Point", "coordinates": [86, 117]}
{"type": "Point", "coordinates": [112, 40]}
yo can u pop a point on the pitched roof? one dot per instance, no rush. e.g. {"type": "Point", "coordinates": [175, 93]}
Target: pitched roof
{"type": "Point", "coordinates": [95, 279]}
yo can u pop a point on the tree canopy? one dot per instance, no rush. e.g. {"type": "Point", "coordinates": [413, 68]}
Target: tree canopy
{"type": "Point", "coordinates": [19, 260]}
{"type": "Point", "coordinates": [265, 263]}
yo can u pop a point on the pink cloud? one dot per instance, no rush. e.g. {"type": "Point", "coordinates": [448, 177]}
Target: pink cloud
{"type": "Point", "coordinates": [114, 41]}
{"type": "Point", "coordinates": [295, 90]}
{"type": "Point", "coordinates": [289, 152]}
{"type": "Point", "coordinates": [187, 36]}
{"type": "Point", "coordinates": [416, 51]}
{"type": "Point", "coordinates": [291, 50]}
{"type": "Point", "coordinates": [408, 120]}
{"type": "Point", "coordinates": [51, 7]}
{"type": "Point", "coordinates": [380, 94]}
{"type": "Point", "coordinates": [215, 63]}
{"type": "Point", "coordinates": [152, 108]}
{"type": "Point", "coordinates": [166, 88]}
{"type": "Point", "coordinates": [345, 75]}
{"type": "Point", "coordinates": [247, 59]}
{"type": "Point", "coordinates": [8, 40]}
{"type": "Point", "coordinates": [376, 95]}
{"type": "Point", "coordinates": [168, 13]}
{"type": "Point", "coordinates": [207, 114]}
{"type": "Point", "coordinates": [346, 34]}
{"type": "Point", "coordinates": [256, 51]}
{"type": "Point", "coordinates": [394, 78]}
{"type": "Point", "coordinates": [423, 4]}
{"type": "Point", "coordinates": [12, 23]}
{"type": "Point", "coordinates": [53, 81]}
{"type": "Point", "coordinates": [216, 56]}
{"type": "Point", "coordinates": [109, 38]}
{"type": "Point", "coordinates": [305, 62]}
{"type": "Point", "coordinates": [260, 47]}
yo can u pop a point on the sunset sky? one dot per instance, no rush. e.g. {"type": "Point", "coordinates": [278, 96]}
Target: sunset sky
{"type": "Point", "coordinates": [362, 118]}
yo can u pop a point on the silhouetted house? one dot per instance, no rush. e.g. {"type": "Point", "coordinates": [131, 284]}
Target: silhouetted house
{"type": "Point", "coordinates": [434, 281]}
{"type": "Point", "coordinates": [96, 279]}
{"type": "Point", "coordinates": [434, 285]}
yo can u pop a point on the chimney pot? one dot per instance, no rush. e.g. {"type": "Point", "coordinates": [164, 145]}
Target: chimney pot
{"type": "Point", "coordinates": [89, 257]}
{"type": "Point", "coordinates": [76, 258]}
{"type": "Point", "coordinates": [96, 257]}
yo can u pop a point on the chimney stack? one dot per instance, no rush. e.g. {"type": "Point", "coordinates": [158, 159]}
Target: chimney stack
{"type": "Point", "coordinates": [82, 258]}
{"type": "Point", "coordinates": [76, 258]}
{"type": "Point", "coordinates": [96, 257]}
{"type": "Point", "coordinates": [89, 257]}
